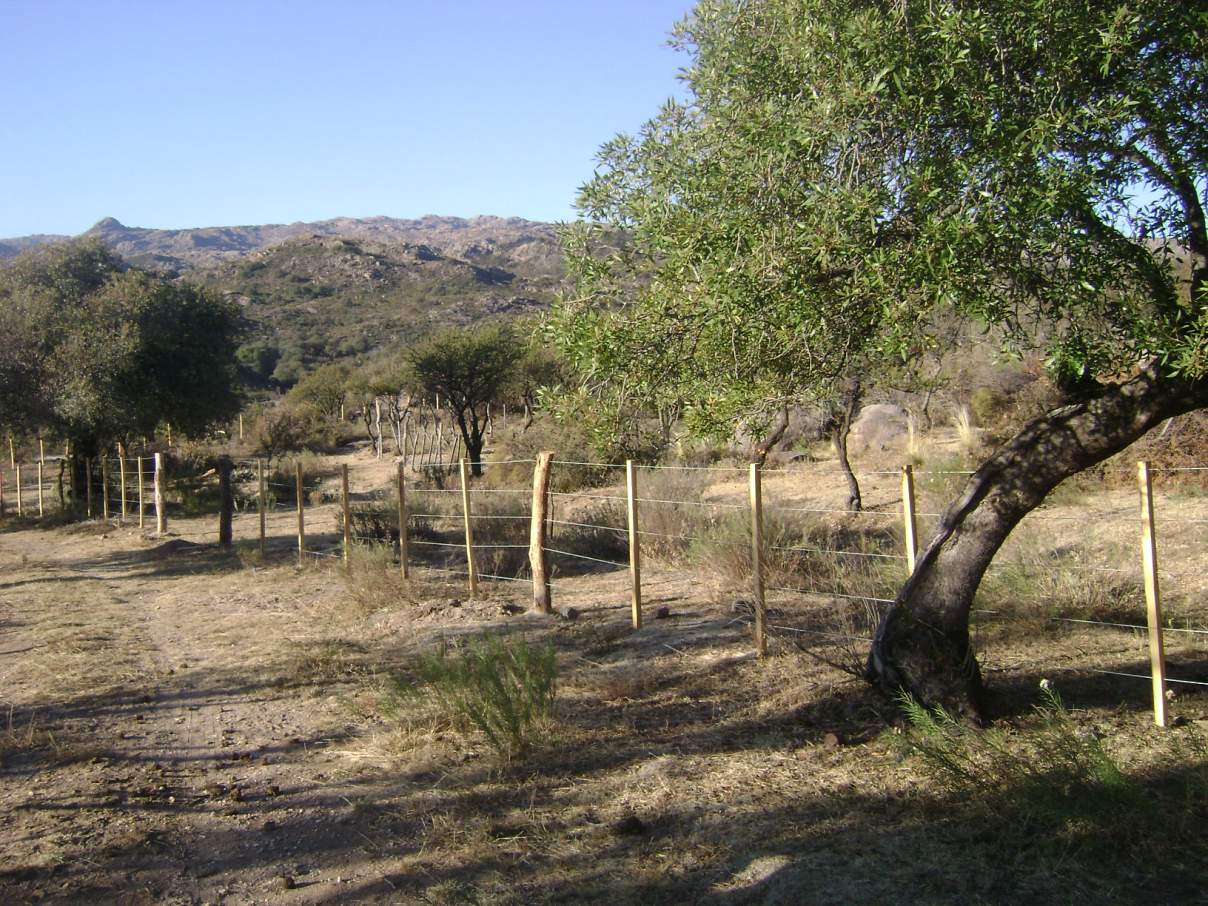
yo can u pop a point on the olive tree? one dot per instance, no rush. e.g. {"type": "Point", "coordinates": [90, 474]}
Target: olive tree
{"type": "Point", "coordinates": [844, 170]}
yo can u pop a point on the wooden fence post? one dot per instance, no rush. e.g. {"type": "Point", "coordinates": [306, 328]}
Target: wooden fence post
{"type": "Point", "coordinates": [226, 506]}
{"type": "Point", "coordinates": [240, 426]}
{"type": "Point", "coordinates": [104, 487]}
{"type": "Point", "coordinates": [298, 492]}
{"type": "Point", "coordinates": [41, 505]}
{"type": "Point", "coordinates": [1149, 568]}
{"type": "Point", "coordinates": [142, 501]}
{"type": "Point", "coordinates": [347, 514]}
{"type": "Point", "coordinates": [635, 545]}
{"type": "Point", "coordinates": [41, 451]}
{"type": "Point", "coordinates": [465, 506]}
{"type": "Point", "coordinates": [121, 467]}
{"type": "Point", "coordinates": [88, 485]}
{"type": "Point", "coordinates": [542, 599]}
{"type": "Point", "coordinates": [12, 454]}
{"type": "Point", "coordinates": [260, 501]}
{"type": "Point", "coordinates": [761, 627]}
{"type": "Point", "coordinates": [402, 520]}
{"type": "Point", "coordinates": [161, 509]}
{"type": "Point", "coordinates": [20, 500]}
{"type": "Point", "coordinates": [909, 522]}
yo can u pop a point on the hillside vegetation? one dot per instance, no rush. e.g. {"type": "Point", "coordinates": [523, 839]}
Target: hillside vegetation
{"type": "Point", "coordinates": [340, 288]}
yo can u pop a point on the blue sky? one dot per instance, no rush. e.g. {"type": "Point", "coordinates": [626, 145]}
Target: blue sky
{"type": "Point", "coordinates": [172, 114]}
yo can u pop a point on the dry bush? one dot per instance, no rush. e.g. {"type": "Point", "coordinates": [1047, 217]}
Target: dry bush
{"type": "Point", "coordinates": [326, 660]}
{"type": "Point", "coordinates": [1031, 589]}
{"type": "Point", "coordinates": [1181, 443]}
{"type": "Point", "coordinates": [569, 443]}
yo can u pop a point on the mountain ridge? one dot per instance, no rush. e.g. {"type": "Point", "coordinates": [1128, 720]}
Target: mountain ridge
{"type": "Point", "coordinates": [181, 250]}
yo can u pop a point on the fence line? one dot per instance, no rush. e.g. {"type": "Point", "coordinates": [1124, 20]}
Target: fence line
{"type": "Point", "coordinates": [115, 486]}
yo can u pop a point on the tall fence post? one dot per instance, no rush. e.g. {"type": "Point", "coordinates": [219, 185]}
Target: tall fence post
{"type": "Point", "coordinates": [104, 487]}
{"type": "Point", "coordinates": [121, 467]}
{"type": "Point", "coordinates": [298, 492]}
{"type": "Point", "coordinates": [260, 501]}
{"type": "Point", "coordinates": [910, 524]}
{"type": "Point", "coordinates": [542, 599]}
{"type": "Point", "coordinates": [402, 519]}
{"type": "Point", "coordinates": [20, 500]}
{"type": "Point", "coordinates": [471, 567]}
{"type": "Point", "coordinates": [635, 545]}
{"type": "Point", "coordinates": [41, 504]}
{"type": "Point", "coordinates": [226, 506]}
{"type": "Point", "coordinates": [1153, 603]}
{"type": "Point", "coordinates": [161, 509]}
{"type": "Point", "coordinates": [761, 627]}
{"type": "Point", "coordinates": [88, 485]}
{"type": "Point", "coordinates": [142, 495]}
{"type": "Point", "coordinates": [347, 510]}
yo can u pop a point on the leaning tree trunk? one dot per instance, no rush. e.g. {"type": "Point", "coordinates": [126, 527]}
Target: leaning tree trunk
{"type": "Point", "coordinates": [922, 645]}
{"type": "Point", "coordinates": [841, 428]}
{"type": "Point", "coordinates": [761, 448]}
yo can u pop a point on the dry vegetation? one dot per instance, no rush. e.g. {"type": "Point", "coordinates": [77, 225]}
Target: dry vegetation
{"type": "Point", "coordinates": [183, 725]}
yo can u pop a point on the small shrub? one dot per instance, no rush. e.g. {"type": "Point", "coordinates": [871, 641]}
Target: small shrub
{"type": "Point", "coordinates": [1056, 773]}
{"type": "Point", "coordinates": [501, 687]}
{"type": "Point", "coordinates": [282, 480]}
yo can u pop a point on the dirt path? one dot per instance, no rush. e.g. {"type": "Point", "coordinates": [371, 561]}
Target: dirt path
{"type": "Point", "coordinates": [164, 740]}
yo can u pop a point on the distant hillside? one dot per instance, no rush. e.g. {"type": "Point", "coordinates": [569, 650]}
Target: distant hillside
{"type": "Point", "coordinates": [347, 287]}
{"type": "Point", "coordinates": [324, 297]}
{"type": "Point", "coordinates": [524, 242]}
{"type": "Point", "coordinates": [11, 248]}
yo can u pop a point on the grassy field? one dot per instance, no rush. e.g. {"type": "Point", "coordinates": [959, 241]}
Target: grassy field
{"type": "Point", "coordinates": [187, 725]}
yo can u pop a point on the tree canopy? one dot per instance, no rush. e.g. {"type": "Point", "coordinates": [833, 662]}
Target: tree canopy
{"type": "Point", "coordinates": [842, 170]}
{"type": "Point", "coordinates": [468, 369]}
{"type": "Point", "coordinates": [845, 172]}
{"type": "Point", "coordinates": [99, 352]}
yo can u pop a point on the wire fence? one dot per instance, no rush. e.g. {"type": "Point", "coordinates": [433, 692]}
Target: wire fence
{"type": "Point", "coordinates": [804, 564]}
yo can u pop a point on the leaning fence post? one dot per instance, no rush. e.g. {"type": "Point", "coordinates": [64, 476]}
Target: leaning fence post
{"type": "Point", "coordinates": [465, 508]}
{"type": "Point", "coordinates": [347, 511]}
{"type": "Point", "coordinates": [402, 518]}
{"type": "Point", "coordinates": [121, 467]}
{"type": "Point", "coordinates": [260, 501]}
{"type": "Point", "coordinates": [909, 521]}
{"type": "Point", "coordinates": [161, 509]}
{"type": "Point", "coordinates": [761, 628]}
{"type": "Point", "coordinates": [542, 602]}
{"type": "Point", "coordinates": [301, 517]}
{"type": "Point", "coordinates": [142, 503]}
{"type": "Point", "coordinates": [1149, 568]}
{"type": "Point", "coordinates": [635, 548]}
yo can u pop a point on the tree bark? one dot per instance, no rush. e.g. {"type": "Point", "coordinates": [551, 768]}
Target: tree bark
{"type": "Point", "coordinates": [922, 645]}
{"type": "Point", "coordinates": [761, 449]}
{"type": "Point", "coordinates": [839, 432]}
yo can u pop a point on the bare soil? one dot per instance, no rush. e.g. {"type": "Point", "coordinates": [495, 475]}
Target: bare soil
{"type": "Point", "coordinates": [187, 725]}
